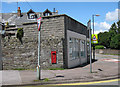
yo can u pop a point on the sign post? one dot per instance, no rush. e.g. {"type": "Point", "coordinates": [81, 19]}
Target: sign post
{"type": "Point", "coordinates": [38, 67]}
{"type": "Point", "coordinates": [89, 28]}
{"type": "Point", "coordinates": [94, 41]}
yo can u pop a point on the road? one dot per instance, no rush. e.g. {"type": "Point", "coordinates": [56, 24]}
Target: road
{"type": "Point", "coordinates": [105, 83]}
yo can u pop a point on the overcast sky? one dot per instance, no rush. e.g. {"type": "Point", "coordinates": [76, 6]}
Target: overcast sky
{"type": "Point", "coordinates": [81, 11]}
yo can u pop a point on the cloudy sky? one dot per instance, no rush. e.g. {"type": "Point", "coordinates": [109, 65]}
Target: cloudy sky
{"type": "Point", "coordinates": [81, 11]}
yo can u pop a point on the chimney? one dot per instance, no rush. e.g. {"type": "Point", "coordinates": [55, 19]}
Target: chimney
{"type": "Point", "coordinates": [19, 12]}
{"type": "Point", "coordinates": [53, 10]}
{"type": "Point", "coordinates": [57, 11]}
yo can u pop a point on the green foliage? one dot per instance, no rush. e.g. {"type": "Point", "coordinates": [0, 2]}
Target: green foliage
{"type": "Point", "coordinates": [113, 27]}
{"type": "Point", "coordinates": [46, 79]}
{"type": "Point", "coordinates": [115, 42]}
{"type": "Point", "coordinates": [104, 39]}
{"type": "Point", "coordinates": [110, 39]}
{"type": "Point", "coordinates": [20, 34]}
{"type": "Point", "coordinates": [7, 24]}
{"type": "Point", "coordinates": [19, 69]}
{"type": "Point", "coordinates": [118, 29]}
{"type": "Point", "coordinates": [99, 47]}
{"type": "Point", "coordinates": [56, 68]}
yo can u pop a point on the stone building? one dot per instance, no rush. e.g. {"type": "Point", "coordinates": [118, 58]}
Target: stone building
{"type": "Point", "coordinates": [63, 41]}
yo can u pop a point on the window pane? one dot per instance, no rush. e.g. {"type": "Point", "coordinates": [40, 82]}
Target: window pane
{"type": "Point", "coordinates": [82, 48]}
{"type": "Point", "coordinates": [71, 47]}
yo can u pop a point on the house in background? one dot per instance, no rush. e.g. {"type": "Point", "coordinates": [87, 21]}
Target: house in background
{"type": "Point", "coordinates": [63, 40]}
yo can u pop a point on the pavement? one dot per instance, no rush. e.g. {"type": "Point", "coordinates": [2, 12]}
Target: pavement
{"type": "Point", "coordinates": [106, 67]}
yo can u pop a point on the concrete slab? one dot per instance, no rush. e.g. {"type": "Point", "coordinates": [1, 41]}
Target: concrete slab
{"type": "Point", "coordinates": [11, 77]}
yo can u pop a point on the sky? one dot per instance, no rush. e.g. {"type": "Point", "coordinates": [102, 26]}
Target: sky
{"type": "Point", "coordinates": [80, 11]}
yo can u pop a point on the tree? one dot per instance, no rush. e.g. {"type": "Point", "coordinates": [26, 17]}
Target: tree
{"type": "Point", "coordinates": [113, 28]}
{"type": "Point", "coordinates": [115, 42]}
{"type": "Point", "coordinates": [111, 39]}
{"type": "Point", "coordinates": [104, 39]}
{"type": "Point", "coordinates": [118, 29]}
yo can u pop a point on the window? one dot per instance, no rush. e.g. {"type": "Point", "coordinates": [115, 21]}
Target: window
{"type": "Point", "coordinates": [76, 48]}
{"type": "Point", "coordinates": [47, 14]}
{"type": "Point", "coordinates": [82, 45]}
{"type": "Point", "coordinates": [73, 48]}
{"type": "Point", "coordinates": [31, 16]}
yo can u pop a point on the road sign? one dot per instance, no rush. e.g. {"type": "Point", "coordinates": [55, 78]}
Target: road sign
{"type": "Point", "coordinates": [94, 38]}
{"type": "Point", "coordinates": [39, 23]}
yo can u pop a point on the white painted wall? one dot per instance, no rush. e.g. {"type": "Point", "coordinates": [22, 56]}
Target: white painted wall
{"type": "Point", "coordinates": [77, 61]}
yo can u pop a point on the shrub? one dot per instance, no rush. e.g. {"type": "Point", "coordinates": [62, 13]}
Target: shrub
{"type": "Point", "coordinates": [20, 34]}
{"type": "Point", "coordinates": [99, 47]}
{"type": "Point", "coordinates": [115, 42]}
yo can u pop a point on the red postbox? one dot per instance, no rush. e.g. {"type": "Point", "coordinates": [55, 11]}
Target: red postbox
{"type": "Point", "coordinates": [53, 57]}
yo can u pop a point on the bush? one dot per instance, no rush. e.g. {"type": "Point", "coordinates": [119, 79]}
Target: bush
{"type": "Point", "coordinates": [20, 34]}
{"type": "Point", "coordinates": [115, 42]}
{"type": "Point", "coordinates": [99, 47]}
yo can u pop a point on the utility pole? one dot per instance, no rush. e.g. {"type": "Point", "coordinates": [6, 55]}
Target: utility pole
{"type": "Point", "coordinates": [93, 43]}
{"type": "Point", "coordinates": [93, 33]}
{"type": "Point", "coordinates": [89, 28]}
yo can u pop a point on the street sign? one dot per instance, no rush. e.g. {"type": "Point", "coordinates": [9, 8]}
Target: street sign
{"type": "Point", "coordinates": [39, 23]}
{"type": "Point", "coordinates": [94, 38]}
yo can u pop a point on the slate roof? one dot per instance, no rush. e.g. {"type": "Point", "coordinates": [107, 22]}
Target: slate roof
{"type": "Point", "coordinates": [13, 19]}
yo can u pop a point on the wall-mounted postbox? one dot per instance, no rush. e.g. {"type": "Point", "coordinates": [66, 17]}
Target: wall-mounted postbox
{"type": "Point", "coordinates": [53, 57]}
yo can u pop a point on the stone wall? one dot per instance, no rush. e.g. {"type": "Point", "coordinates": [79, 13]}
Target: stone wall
{"type": "Point", "coordinates": [52, 35]}
{"type": "Point", "coordinates": [17, 55]}
{"type": "Point", "coordinates": [107, 51]}
{"type": "Point", "coordinates": [53, 38]}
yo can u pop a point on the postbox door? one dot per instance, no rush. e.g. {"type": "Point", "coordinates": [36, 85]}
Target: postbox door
{"type": "Point", "coordinates": [53, 57]}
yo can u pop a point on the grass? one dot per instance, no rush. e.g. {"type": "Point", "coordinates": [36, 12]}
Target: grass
{"type": "Point", "coordinates": [111, 54]}
{"type": "Point", "coordinates": [45, 80]}
{"type": "Point", "coordinates": [35, 69]}
{"type": "Point", "coordinates": [23, 69]}
{"type": "Point", "coordinates": [99, 47]}
{"type": "Point", "coordinates": [56, 69]}
{"type": "Point", "coordinates": [39, 86]}
{"type": "Point", "coordinates": [19, 69]}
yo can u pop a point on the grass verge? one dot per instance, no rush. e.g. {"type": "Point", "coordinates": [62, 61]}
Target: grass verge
{"type": "Point", "coordinates": [56, 69]}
